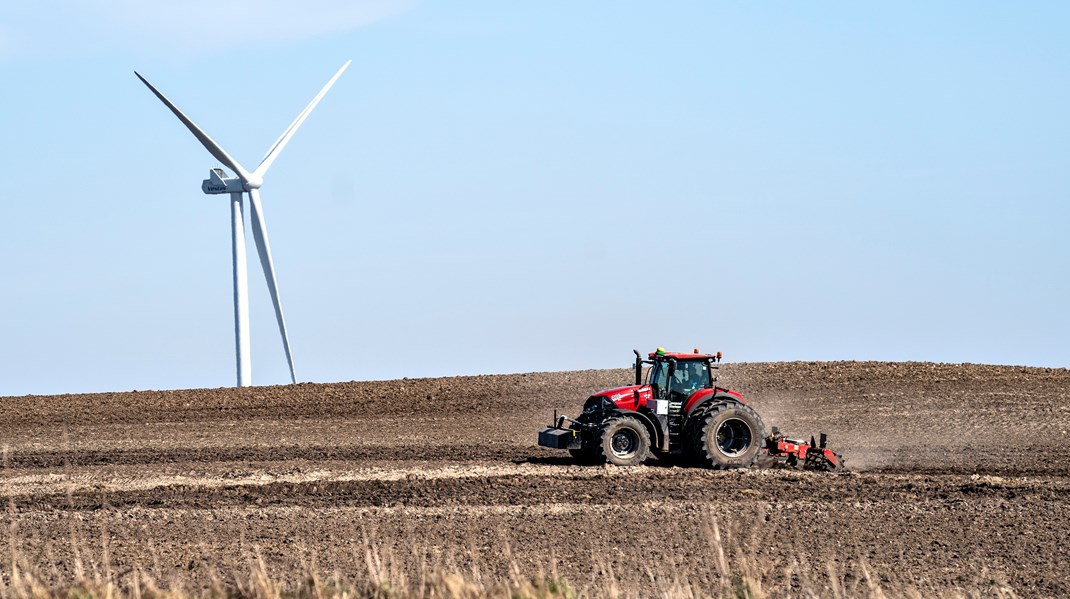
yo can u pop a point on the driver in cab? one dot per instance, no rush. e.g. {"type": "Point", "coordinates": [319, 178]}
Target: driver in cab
{"type": "Point", "coordinates": [690, 377]}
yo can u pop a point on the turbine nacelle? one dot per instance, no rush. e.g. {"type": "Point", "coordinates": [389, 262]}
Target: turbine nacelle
{"type": "Point", "coordinates": [218, 182]}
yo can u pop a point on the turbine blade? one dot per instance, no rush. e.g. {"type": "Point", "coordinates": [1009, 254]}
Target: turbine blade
{"type": "Point", "coordinates": [283, 139]}
{"type": "Point", "coordinates": [263, 248]}
{"type": "Point", "coordinates": [208, 143]}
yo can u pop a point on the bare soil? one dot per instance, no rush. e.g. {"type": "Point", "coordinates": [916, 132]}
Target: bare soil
{"type": "Point", "coordinates": [959, 477]}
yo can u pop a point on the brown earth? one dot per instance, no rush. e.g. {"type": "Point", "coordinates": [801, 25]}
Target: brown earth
{"type": "Point", "coordinates": [958, 479]}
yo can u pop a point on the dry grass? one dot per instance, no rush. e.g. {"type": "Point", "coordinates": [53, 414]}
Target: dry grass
{"type": "Point", "coordinates": [729, 569]}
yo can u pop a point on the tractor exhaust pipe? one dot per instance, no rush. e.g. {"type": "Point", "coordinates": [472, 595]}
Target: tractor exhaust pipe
{"type": "Point", "coordinates": [638, 367]}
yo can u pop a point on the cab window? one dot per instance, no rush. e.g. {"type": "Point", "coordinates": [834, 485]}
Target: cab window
{"type": "Point", "coordinates": [658, 375]}
{"type": "Point", "coordinates": [696, 375]}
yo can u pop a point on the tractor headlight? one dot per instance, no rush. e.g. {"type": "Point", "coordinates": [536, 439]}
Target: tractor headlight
{"type": "Point", "coordinates": [592, 405]}
{"type": "Point", "coordinates": [596, 405]}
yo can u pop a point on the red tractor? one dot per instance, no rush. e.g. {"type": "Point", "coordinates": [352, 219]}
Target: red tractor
{"type": "Point", "coordinates": [678, 411]}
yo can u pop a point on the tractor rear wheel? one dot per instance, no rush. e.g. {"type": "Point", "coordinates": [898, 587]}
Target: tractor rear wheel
{"type": "Point", "coordinates": [730, 435]}
{"type": "Point", "coordinates": [623, 441]}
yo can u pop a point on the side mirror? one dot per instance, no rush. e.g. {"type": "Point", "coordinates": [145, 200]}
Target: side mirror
{"type": "Point", "coordinates": [672, 368]}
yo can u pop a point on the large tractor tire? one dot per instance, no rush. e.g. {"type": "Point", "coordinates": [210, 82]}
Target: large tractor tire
{"type": "Point", "coordinates": [623, 441]}
{"type": "Point", "coordinates": [727, 435]}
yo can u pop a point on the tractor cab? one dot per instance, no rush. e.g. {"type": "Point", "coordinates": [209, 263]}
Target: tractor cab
{"type": "Point", "coordinates": [675, 376]}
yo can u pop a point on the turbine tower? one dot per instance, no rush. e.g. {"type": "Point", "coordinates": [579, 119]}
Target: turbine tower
{"type": "Point", "coordinates": [247, 182]}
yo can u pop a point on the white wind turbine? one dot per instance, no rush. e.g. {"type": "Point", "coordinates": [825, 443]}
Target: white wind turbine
{"type": "Point", "coordinates": [247, 182]}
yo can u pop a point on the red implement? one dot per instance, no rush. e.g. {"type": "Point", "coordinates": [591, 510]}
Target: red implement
{"type": "Point", "coordinates": [795, 452]}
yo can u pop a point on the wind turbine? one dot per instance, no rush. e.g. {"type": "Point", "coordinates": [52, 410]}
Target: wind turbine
{"type": "Point", "coordinates": [247, 182]}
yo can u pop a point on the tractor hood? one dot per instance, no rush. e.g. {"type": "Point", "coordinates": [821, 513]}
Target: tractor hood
{"type": "Point", "coordinates": [625, 397]}
{"type": "Point", "coordinates": [618, 393]}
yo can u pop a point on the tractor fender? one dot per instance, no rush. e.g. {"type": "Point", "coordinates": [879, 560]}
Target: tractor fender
{"type": "Point", "coordinates": [657, 436]}
{"type": "Point", "coordinates": [701, 400]}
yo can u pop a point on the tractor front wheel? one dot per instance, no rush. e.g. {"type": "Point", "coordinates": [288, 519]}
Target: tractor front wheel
{"type": "Point", "coordinates": [623, 441]}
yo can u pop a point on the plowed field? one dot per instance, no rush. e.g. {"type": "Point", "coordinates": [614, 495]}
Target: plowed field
{"type": "Point", "coordinates": [959, 479]}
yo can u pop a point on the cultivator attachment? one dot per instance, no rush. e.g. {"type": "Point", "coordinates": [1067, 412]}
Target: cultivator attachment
{"type": "Point", "coordinates": [797, 453]}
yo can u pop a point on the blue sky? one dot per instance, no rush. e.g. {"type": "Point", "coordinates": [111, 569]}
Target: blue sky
{"type": "Point", "coordinates": [510, 187]}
